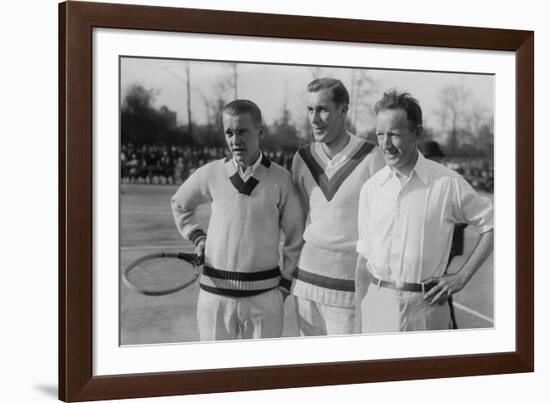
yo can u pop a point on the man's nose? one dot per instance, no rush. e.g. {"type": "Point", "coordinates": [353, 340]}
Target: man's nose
{"type": "Point", "coordinates": [315, 117]}
{"type": "Point", "coordinates": [385, 141]}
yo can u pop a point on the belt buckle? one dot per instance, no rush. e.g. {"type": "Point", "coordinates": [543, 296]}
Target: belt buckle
{"type": "Point", "coordinates": [399, 285]}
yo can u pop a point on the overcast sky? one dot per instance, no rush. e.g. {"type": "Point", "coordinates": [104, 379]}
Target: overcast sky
{"type": "Point", "coordinates": [269, 85]}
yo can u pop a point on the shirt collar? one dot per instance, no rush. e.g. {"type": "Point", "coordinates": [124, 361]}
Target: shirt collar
{"type": "Point", "coordinates": [250, 168]}
{"type": "Point", "coordinates": [420, 169]}
{"type": "Point", "coordinates": [385, 174]}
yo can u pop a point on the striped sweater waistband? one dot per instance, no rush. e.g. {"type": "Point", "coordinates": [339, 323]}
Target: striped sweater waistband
{"type": "Point", "coordinates": [325, 282]}
{"type": "Point", "coordinates": [239, 284]}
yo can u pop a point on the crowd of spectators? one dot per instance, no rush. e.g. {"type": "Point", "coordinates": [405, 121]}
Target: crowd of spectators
{"type": "Point", "coordinates": [163, 165]}
{"type": "Point", "coordinates": [172, 165]}
{"type": "Point", "coordinates": [478, 172]}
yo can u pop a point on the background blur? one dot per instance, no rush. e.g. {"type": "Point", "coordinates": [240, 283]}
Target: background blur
{"type": "Point", "coordinates": [171, 113]}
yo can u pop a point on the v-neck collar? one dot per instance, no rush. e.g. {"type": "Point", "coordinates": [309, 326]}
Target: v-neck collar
{"type": "Point", "coordinates": [247, 187]}
{"type": "Point", "coordinates": [316, 166]}
{"type": "Point", "coordinates": [342, 156]}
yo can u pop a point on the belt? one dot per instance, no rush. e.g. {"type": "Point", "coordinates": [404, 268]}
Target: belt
{"type": "Point", "coordinates": [414, 287]}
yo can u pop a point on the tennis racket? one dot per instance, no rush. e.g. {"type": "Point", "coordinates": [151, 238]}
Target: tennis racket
{"type": "Point", "coordinates": [162, 273]}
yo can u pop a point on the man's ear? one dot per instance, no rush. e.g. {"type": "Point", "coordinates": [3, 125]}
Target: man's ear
{"type": "Point", "coordinates": [418, 131]}
{"type": "Point", "coordinates": [345, 108]}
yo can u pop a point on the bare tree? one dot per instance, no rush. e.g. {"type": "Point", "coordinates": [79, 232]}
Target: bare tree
{"type": "Point", "coordinates": [479, 116]}
{"type": "Point", "coordinates": [235, 80]}
{"type": "Point", "coordinates": [187, 82]}
{"type": "Point", "coordinates": [223, 89]}
{"type": "Point", "coordinates": [362, 87]}
{"type": "Point", "coordinates": [188, 86]}
{"type": "Point", "coordinates": [214, 107]}
{"type": "Point", "coordinates": [208, 111]}
{"type": "Point", "coordinates": [301, 117]}
{"type": "Point", "coordinates": [454, 112]}
{"type": "Point", "coordinates": [229, 84]}
{"type": "Point", "coordinates": [285, 112]}
{"type": "Point", "coordinates": [482, 128]}
{"type": "Point", "coordinates": [283, 134]}
{"type": "Point", "coordinates": [468, 124]}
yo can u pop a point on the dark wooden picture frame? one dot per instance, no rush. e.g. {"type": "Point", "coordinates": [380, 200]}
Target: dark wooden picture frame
{"type": "Point", "coordinates": [76, 23]}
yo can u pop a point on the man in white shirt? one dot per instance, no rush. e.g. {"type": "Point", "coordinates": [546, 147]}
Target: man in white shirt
{"type": "Point", "coordinates": [407, 212]}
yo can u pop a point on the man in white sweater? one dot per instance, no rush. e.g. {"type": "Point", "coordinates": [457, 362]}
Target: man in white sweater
{"type": "Point", "coordinates": [253, 199]}
{"type": "Point", "coordinates": [329, 174]}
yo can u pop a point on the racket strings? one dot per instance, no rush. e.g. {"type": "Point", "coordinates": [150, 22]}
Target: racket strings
{"type": "Point", "coordinates": [159, 276]}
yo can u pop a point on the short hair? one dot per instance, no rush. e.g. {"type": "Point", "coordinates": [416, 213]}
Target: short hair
{"type": "Point", "coordinates": [339, 93]}
{"type": "Point", "coordinates": [239, 106]}
{"type": "Point", "coordinates": [395, 100]}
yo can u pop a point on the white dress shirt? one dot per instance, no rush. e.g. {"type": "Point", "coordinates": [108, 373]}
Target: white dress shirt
{"type": "Point", "coordinates": [405, 231]}
{"type": "Point", "coordinates": [247, 173]}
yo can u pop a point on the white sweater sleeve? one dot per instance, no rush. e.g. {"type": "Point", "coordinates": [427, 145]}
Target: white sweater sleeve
{"type": "Point", "coordinates": [297, 168]}
{"type": "Point", "coordinates": [190, 195]}
{"type": "Point", "coordinates": [292, 222]}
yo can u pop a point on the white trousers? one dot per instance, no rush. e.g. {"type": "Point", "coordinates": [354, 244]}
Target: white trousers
{"type": "Point", "coordinates": [316, 319]}
{"type": "Point", "coordinates": [225, 318]}
{"type": "Point", "coordinates": [387, 310]}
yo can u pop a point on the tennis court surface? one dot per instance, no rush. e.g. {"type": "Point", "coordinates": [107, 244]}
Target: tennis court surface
{"type": "Point", "coordinates": [146, 226]}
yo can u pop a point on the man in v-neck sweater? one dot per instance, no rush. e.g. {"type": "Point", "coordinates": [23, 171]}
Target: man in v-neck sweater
{"type": "Point", "coordinates": [253, 199]}
{"type": "Point", "coordinates": [329, 174]}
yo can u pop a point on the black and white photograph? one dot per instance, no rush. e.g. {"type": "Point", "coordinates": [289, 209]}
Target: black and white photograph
{"type": "Point", "coordinates": [252, 199]}
{"type": "Point", "coordinates": [262, 200]}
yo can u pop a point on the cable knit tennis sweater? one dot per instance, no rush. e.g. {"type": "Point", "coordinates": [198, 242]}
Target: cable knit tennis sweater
{"type": "Point", "coordinates": [247, 217]}
{"type": "Point", "coordinates": [330, 196]}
